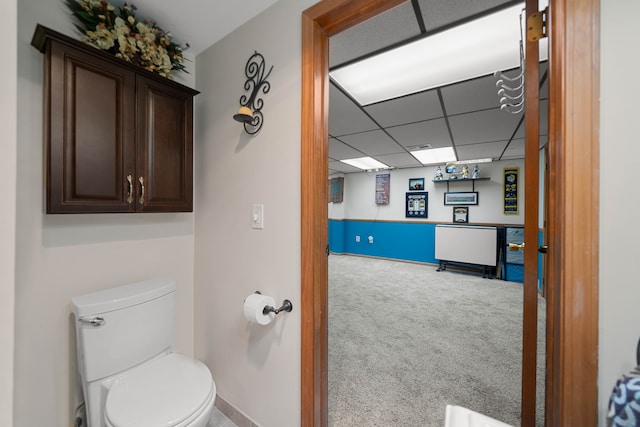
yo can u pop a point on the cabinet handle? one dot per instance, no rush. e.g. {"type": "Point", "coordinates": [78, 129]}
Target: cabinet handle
{"type": "Point", "coordinates": [141, 201]}
{"type": "Point", "coordinates": [130, 193]}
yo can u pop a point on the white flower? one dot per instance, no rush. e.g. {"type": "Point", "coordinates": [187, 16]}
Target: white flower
{"type": "Point", "coordinates": [127, 47]}
{"type": "Point", "coordinates": [121, 28]}
{"type": "Point", "coordinates": [101, 38]}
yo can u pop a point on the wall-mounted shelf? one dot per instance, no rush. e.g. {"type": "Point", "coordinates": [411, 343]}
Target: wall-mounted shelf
{"type": "Point", "coordinates": [473, 180]}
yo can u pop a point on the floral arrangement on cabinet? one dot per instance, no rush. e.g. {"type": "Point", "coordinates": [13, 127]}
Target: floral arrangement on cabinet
{"type": "Point", "coordinates": [121, 33]}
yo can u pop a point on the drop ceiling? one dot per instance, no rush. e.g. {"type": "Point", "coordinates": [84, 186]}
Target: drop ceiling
{"type": "Point", "coordinates": [465, 115]}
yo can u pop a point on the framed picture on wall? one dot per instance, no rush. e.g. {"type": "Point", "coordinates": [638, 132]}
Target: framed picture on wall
{"type": "Point", "coordinates": [461, 214]}
{"type": "Point", "coordinates": [336, 190]}
{"type": "Point", "coordinates": [417, 205]}
{"type": "Point", "coordinates": [468, 198]}
{"type": "Point", "coordinates": [382, 188]}
{"type": "Point", "coordinates": [416, 184]}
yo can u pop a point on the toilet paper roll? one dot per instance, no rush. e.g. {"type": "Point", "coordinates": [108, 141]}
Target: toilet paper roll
{"type": "Point", "coordinates": [254, 306]}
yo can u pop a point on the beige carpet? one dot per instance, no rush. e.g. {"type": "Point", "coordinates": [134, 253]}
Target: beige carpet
{"type": "Point", "coordinates": [405, 341]}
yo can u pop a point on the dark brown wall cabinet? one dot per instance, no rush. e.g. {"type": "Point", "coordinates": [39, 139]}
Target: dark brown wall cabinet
{"type": "Point", "coordinates": [118, 138]}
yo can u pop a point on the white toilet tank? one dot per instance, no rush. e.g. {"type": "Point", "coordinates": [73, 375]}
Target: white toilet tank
{"type": "Point", "coordinates": [121, 327]}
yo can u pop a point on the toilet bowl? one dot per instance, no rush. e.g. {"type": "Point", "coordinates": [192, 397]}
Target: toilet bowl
{"type": "Point", "coordinates": [130, 375]}
{"type": "Point", "coordinates": [172, 391]}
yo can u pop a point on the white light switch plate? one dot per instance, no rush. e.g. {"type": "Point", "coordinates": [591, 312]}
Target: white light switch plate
{"type": "Point", "coordinates": [257, 216]}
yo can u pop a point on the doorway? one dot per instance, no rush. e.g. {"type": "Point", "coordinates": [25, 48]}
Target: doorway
{"type": "Point", "coordinates": [389, 130]}
{"type": "Point", "coordinates": [572, 369]}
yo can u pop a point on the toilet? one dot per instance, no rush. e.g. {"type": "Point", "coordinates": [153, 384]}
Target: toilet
{"type": "Point", "coordinates": [130, 375]}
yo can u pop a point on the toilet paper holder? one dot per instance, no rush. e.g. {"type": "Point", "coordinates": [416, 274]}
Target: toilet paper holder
{"type": "Point", "coordinates": [286, 306]}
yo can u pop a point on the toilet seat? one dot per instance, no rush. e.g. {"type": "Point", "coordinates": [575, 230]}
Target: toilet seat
{"type": "Point", "coordinates": [172, 391]}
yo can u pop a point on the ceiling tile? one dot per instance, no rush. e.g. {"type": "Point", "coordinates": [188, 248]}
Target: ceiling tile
{"type": "Point", "coordinates": [483, 126]}
{"type": "Point", "coordinates": [385, 29]}
{"type": "Point", "coordinates": [400, 160]}
{"type": "Point", "coordinates": [340, 151]}
{"type": "Point", "coordinates": [408, 109]}
{"type": "Point", "coordinates": [515, 150]}
{"type": "Point", "coordinates": [432, 132]}
{"type": "Point", "coordinates": [472, 95]}
{"type": "Point", "coordinates": [437, 14]}
{"type": "Point", "coordinates": [345, 117]}
{"type": "Point", "coordinates": [373, 143]}
{"type": "Point", "coordinates": [336, 166]}
{"type": "Point", "coordinates": [480, 151]}
{"type": "Point", "coordinates": [544, 120]}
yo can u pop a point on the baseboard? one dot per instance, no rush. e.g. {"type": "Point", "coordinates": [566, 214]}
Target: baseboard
{"type": "Point", "coordinates": [234, 414]}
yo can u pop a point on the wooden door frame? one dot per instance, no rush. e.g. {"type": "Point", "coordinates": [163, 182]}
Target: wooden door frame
{"type": "Point", "coordinates": [572, 336]}
{"type": "Point", "coordinates": [574, 120]}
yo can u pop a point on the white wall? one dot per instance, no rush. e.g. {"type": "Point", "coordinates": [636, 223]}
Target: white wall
{"type": "Point", "coordinates": [256, 369]}
{"type": "Point", "coordinates": [8, 143]}
{"type": "Point", "coordinates": [359, 195]}
{"type": "Point", "coordinates": [59, 256]}
{"type": "Point", "coordinates": [619, 232]}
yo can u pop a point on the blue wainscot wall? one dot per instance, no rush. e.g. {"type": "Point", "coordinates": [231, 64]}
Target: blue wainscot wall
{"type": "Point", "coordinates": [396, 240]}
{"type": "Point", "coordinates": [408, 241]}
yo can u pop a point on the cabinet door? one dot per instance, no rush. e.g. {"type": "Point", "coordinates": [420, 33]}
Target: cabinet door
{"type": "Point", "coordinates": [89, 133]}
{"type": "Point", "coordinates": [164, 148]}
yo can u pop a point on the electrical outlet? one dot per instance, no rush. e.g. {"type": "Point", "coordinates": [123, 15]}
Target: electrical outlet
{"type": "Point", "coordinates": [370, 239]}
{"type": "Point", "coordinates": [357, 239]}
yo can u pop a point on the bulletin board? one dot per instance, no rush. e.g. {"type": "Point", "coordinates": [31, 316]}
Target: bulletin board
{"type": "Point", "coordinates": [382, 188]}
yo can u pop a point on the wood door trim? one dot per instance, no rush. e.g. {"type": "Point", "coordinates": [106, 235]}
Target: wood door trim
{"type": "Point", "coordinates": [532, 170]}
{"type": "Point", "coordinates": [326, 18]}
{"type": "Point", "coordinates": [573, 123]}
{"type": "Point", "coordinates": [574, 85]}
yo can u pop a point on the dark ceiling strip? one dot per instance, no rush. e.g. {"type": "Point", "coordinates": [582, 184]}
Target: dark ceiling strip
{"type": "Point", "coordinates": [416, 10]}
{"type": "Point", "coordinates": [512, 137]}
{"type": "Point", "coordinates": [542, 80]}
{"type": "Point", "coordinates": [446, 120]}
{"type": "Point", "coordinates": [429, 33]}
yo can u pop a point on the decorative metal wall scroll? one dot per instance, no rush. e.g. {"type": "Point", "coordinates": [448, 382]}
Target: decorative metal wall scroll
{"type": "Point", "coordinates": [250, 112]}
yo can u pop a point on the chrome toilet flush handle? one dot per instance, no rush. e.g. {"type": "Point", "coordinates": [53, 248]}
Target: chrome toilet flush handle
{"type": "Point", "coordinates": [95, 321]}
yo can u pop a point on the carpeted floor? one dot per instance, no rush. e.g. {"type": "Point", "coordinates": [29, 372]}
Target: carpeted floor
{"type": "Point", "coordinates": [405, 341]}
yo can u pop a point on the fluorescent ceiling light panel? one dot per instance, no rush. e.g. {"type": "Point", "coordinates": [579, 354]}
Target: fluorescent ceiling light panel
{"type": "Point", "coordinates": [365, 163]}
{"type": "Point", "coordinates": [478, 48]}
{"type": "Point", "coordinates": [435, 155]}
{"type": "Point", "coordinates": [466, 162]}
